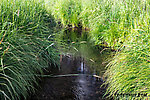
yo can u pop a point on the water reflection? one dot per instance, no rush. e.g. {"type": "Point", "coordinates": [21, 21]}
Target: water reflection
{"type": "Point", "coordinates": [92, 63]}
{"type": "Point", "coordinates": [81, 69]}
{"type": "Point", "coordinates": [80, 45]}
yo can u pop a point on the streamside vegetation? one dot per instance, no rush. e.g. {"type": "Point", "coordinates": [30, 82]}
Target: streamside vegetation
{"type": "Point", "coordinates": [122, 25]}
{"type": "Point", "coordinates": [26, 46]}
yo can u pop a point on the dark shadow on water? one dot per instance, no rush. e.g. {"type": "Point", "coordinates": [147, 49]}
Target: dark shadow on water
{"type": "Point", "coordinates": [81, 70]}
{"type": "Point", "coordinates": [81, 87]}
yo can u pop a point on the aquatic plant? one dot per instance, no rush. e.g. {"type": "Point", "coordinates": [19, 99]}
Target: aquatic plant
{"type": "Point", "coordinates": [26, 47]}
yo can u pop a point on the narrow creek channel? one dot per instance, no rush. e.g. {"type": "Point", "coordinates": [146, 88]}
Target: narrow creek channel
{"type": "Point", "coordinates": [80, 76]}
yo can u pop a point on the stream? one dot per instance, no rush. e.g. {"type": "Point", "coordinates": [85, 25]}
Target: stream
{"type": "Point", "coordinates": [80, 76]}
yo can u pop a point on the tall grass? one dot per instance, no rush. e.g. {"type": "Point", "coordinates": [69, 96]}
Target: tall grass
{"type": "Point", "coordinates": [26, 47]}
{"type": "Point", "coordinates": [109, 20]}
{"type": "Point", "coordinates": [128, 73]}
{"type": "Point", "coordinates": [121, 25]}
{"type": "Point", "coordinates": [66, 11]}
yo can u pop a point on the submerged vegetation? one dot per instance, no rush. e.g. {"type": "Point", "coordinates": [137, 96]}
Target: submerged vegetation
{"type": "Point", "coordinates": [27, 47]}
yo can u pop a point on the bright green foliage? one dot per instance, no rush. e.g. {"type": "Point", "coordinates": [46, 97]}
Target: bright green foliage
{"type": "Point", "coordinates": [129, 71]}
{"type": "Point", "coordinates": [26, 47]}
{"type": "Point", "coordinates": [67, 11]}
{"type": "Point", "coordinates": [110, 20]}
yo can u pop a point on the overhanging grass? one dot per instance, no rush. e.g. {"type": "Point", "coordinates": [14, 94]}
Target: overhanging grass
{"type": "Point", "coordinates": [26, 47]}
{"type": "Point", "coordinates": [129, 71]}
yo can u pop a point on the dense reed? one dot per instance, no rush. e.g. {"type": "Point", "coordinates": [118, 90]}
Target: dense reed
{"type": "Point", "coordinates": [26, 46]}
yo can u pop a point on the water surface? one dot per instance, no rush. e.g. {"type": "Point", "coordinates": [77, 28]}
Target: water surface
{"type": "Point", "coordinates": [80, 76]}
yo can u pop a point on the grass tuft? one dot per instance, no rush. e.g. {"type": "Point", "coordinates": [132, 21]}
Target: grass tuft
{"type": "Point", "coordinates": [25, 46]}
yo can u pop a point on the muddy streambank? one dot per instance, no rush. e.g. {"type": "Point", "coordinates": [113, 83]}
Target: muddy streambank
{"type": "Point", "coordinates": [78, 84]}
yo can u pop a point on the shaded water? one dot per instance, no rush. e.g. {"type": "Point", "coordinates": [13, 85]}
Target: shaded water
{"type": "Point", "coordinates": [81, 71]}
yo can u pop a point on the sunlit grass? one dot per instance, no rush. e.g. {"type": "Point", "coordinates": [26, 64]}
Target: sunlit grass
{"type": "Point", "coordinates": [129, 71]}
{"type": "Point", "coordinates": [66, 11]}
